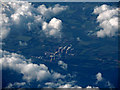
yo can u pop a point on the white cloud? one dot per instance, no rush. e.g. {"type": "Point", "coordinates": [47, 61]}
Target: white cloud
{"type": "Point", "coordinates": [103, 81]}
{"type": "Point", "coordinates": [47, 12]}
{"type": "Point", "coordinates": [29, 70]}
{"type": "Point", "coordinates": [75, 86]}
{"type": "Point", "coordinates": [108, 20]}
{"type": "Point", "coordinates": [88, 87]}
{"type": "Point", "coordinates": [22, 15]}
{"type": "Point", "coordinates": [16, 85]}
{"type": "Point", "coordinates": [22, 43]}
{"type": "Point", "coordinates": [65, 86]}
{"type": "Point", "coordinates": [100, 9]}
{"type": "Point", "coordinates": [4, 26]}
{"type": "Point", "coordinates": [62, 65]}
{"type": "Point", "coordinates": [21, 9]}
{"type": "Point", "coordinates": [99, 77]}
{"type": "Point", "coordinates": [52, 28]}
{"type": "Point", "coordinates": [56, 75]}
{"type": "Point", "coordinates": [69, 86]}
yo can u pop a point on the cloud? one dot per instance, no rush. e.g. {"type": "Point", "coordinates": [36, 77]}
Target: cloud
{"type": "Point", "coordinates": [52, 28]}
{"type": "Point", "coordinates": [22, 15]}
{"type": "Point", "coordinates": [75, 86]}
{"type": "Point", "coordinates": [99, 76]}
{"type": "Point", "coordinates": [16, 84]}
{"type": "Point", "coordinates": [69, 86]}
{"type": "Point", "coordinates": [47, 12]}
{"type": "Point", "coordinates": [4, 26]}
{"type": "Point", "coordinates": [102, 81]}
{"type": "Point", "coordinates": [107, 19]}
{"type": "Point", "coordinates": [29, 70]}
{"type": "Point", "coordinates": [62, 65]}
{"type": "Point", "coordinates": [66, 84]}
{"type": "Point", "coordinates": [22, 43]}
{"type": "Point", "coordinates": [95, 88]}
{"type": "Point", "coordinates": [56, 75]}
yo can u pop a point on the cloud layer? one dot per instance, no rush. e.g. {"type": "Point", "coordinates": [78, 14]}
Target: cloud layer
{"type": "Point", "coordinates": [107, 19]}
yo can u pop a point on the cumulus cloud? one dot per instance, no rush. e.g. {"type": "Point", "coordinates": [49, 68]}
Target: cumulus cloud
{"type": "Point", "coordinates": [16, 84]}
{"type": "Point", "coordinates": [22, 15]}
{"type": "Point", "coordinates": [75, 86]}
{"type": "Point", "coordinates": [69, 86]}
{"type": "Point", "coordinates": [47, 12]}
{"type": "Point", "coordinates": [103, 81]}
{"type": "Point", "coordinates": [56, 75]}
{"type": "Point", "coordinates": [107, 19]}
{"type": "Point", "coordinates": [99, 76]}
{"type": "Point", "coordinates": [52, 28]}
{"type": "Point", "coordinates": [29, 70]}
{"type": "Point", "coordinates": [4, 26]}
{"type": "Point", "coordinates": [62, 65]}
{"type": "Point", "coordinates": [60, 84]}
{"type": "Point", "coordinates": [92, 88]}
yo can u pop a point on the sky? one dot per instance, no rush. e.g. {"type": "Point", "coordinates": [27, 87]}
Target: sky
{"type": "Point", "coordinates": [24, 11]}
